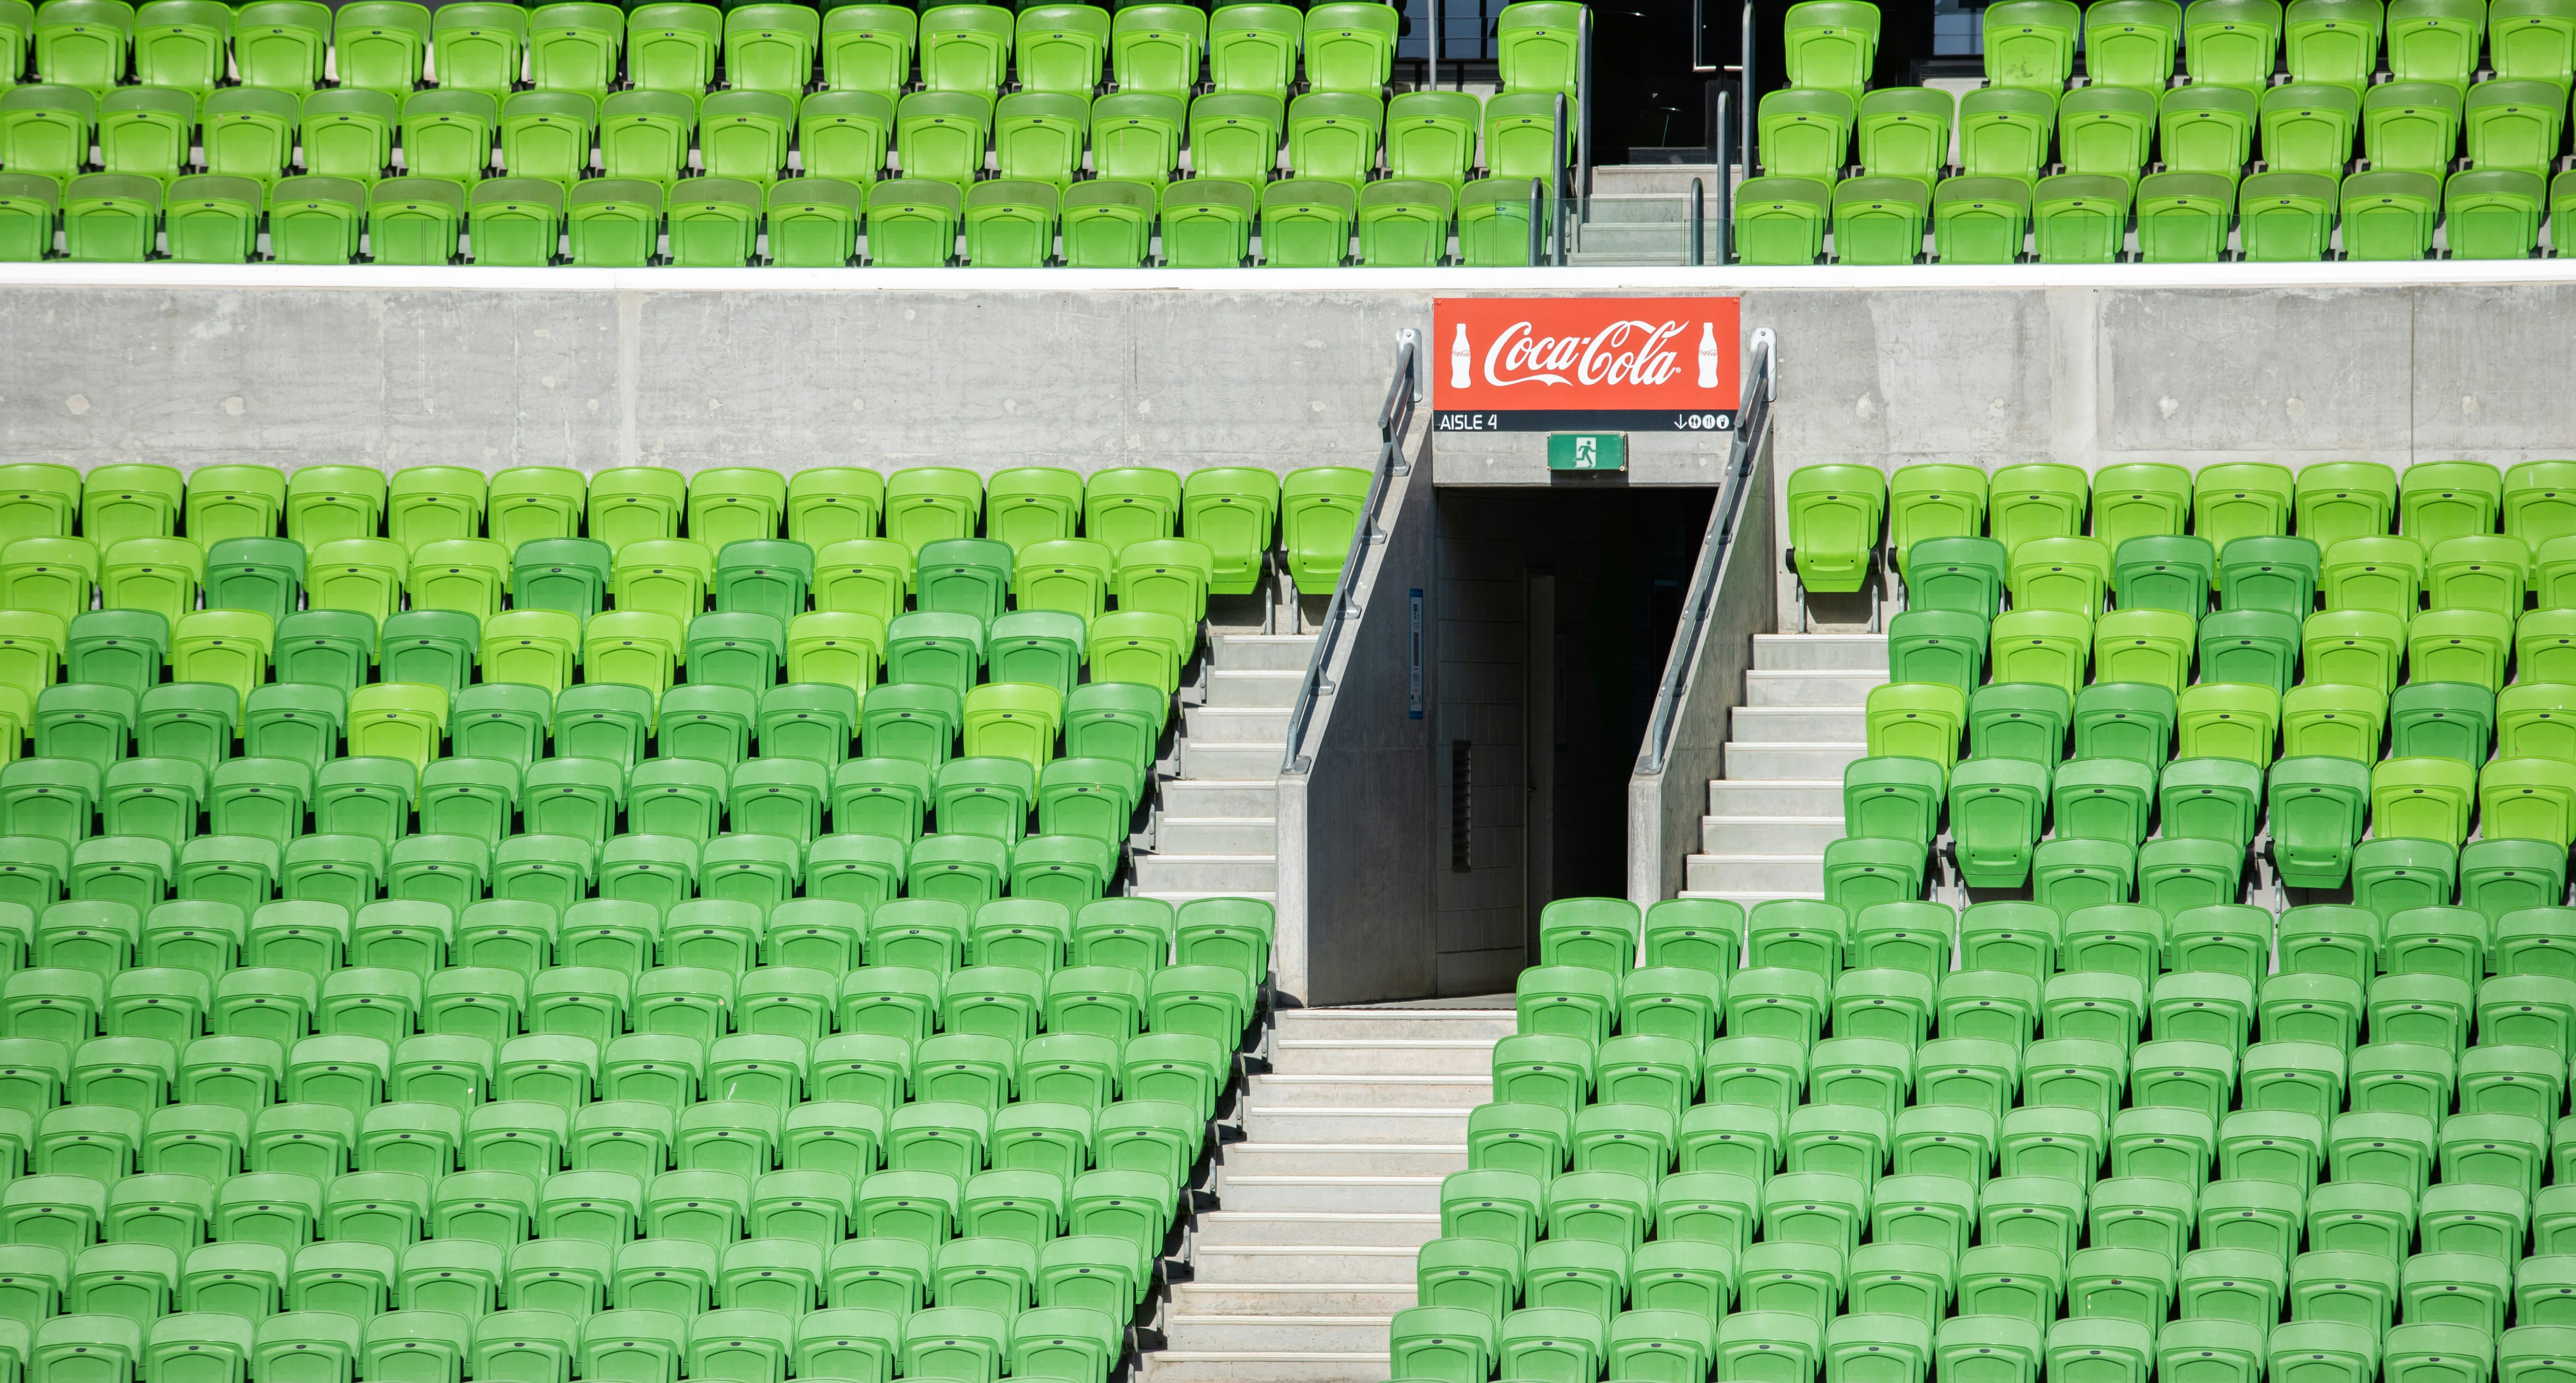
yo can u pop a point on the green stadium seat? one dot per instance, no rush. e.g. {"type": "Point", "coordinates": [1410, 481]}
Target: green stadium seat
{"type": "Point", "coordinates": [2004, 132]}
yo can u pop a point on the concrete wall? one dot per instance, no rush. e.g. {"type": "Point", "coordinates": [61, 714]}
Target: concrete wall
{"type": "Point", "coordinates": [1665, 806]}
{"type": "Point", "coordinates": [1355, 830]}
{"type": "Point", "coordinates": [590, 368]}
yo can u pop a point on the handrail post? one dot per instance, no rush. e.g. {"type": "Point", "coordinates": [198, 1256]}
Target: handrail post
{"type": "Point", "coordinates": [1537, 237]}
{"type": "Point", "coordinates": [1583, 120]}
{"type": "Point", "coordinates": [1698, 228]}
{"type": "Point", "coordinates": [1750, 106]}
{"type": "Point", "coordinates": [1432, 81]}
{"type": "Point", "coordinates": [1558, 220]}
{"type": "Point", "coordinates": [1725, 184]}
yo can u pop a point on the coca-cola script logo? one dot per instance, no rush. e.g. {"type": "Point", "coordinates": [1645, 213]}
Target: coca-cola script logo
{"type": "Point", "coordinates": [1624, 352]}
{"type": "Point", "coordinates": [1667, 364]}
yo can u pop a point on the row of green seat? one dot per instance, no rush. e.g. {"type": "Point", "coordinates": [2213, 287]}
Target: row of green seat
{"type": "Point", "coordinates": [942, 965]}
{"type": "Point", "coordinates": [1837, 512]}
{"type": "Point", "coordinates": [2264, 649]}
{"type": "Point", "coordinates": [1226, 507]}
{"type": "Point", "coordinates": [2177, 218]}
{"type": "Point", "coordinates": [489, 49]}
{"type": "Point", "coordinates": [578, 1278]}
{"type": "Point", "coordinates": [938, 136]}
{"type": "Point", "coordinates": [635, 1345]}
{"type": "Point", "coordinates": [1434, 1344]}
{"type": "Point", "coordinates": [2118, 132]}
{"type": "Point", "coordinates": [810, 223]}
{"type": "Point", "coordinates": [2499, 930]}
{"type": "Point", "coordinates": [2283, 575]}
{"type": "Point", "coordinates": [149, 589]}
{"type": "Point", "coordinates": [2033, 44]}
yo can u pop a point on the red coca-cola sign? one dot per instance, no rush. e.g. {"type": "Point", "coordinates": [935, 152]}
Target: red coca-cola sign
{"type": "Point", "coordinates": [1559, 364]}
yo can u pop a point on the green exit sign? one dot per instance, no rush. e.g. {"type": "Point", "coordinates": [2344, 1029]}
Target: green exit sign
{"type": "Point", "coordinates": [1587, 451]}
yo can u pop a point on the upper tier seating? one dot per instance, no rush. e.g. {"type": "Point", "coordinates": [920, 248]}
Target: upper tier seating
{"type": "Point", "coordinates": [2225, 128]}
{"type": "Point", "coordinates": [1056, 133]}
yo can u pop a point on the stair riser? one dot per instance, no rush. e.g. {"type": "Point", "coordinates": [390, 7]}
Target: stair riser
{"type": "Point", "coordinates": [1361, 1092]}
{"type": "Point", "coordinates": [1247, 689]}
{"type": "Point", "coordinates": [1235, 725]}
{"type": "Point", "coordinates": [1361, 1024]}
{"type": "Point", "coordinates": [1293, 1058]}
{"type": "Point", "coordinates": [1179, 897]}
{"type": "Point", "coordinates": [1324, 1231]}
{"type": "Point", "coordinates": [1322, 1265]}
{"type": "Point", "coordinates": [1820, 652]}
{"type": "Point", "coordinates": [1253, 1332]}
{"type": "Point", "coordinates": [1808, 688]}
{"type": "Point", "coordinates": [1293, 1160]}
{"type": "Point", "coordinates": [1241, 800]}
{"type": "Point", "coordinates": [1323, 1299]}
{"type": "Point", "coordinates": [1218, 836]}
{"type": "Point", "coordinates": [1193, 874]}
{"type": "Point", "coordinates": [1761, 876]}
{"type": "Point", "coordinates": [1234, 762]}
{"type": "Point", "coordinates": [1264, 653]}
{"type": "Point", "coordinates": [1737, 836]}
{"type": "Point", "coordinates": [1758, 762]}
{"type": "Point", "coordinates": [1381, 1196]}
{"type": "Point", "coordinates": [1308, 1124]}
{"type": "Point", "coordinates": [1223, 1368]}
{"type": "Point", "coordinates": [1795, 725]}
{"type": "Point", "coordinates": [1730, 797]}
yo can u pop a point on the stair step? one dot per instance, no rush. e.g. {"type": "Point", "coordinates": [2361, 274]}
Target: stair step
{"type": "Point", "coordinates": [1344, 1159]}
{"type": "Point", "coordinates": [1227, 1227]}
{"type": "Point", "coordinates": [1264, 1366]}
{"type": "Point", "coordinates": [1368, 1195]}
{"type": "Point", "coordinates": [1253, 687]}
{"type": "Point", "coordinates": [1258, 1299]}
{"type": "Point", "coordinates": [1798, 762]}
{"type": "Point", "coordinates": [1335, 1264]}
{"type": "Point", "coordinates": [1761, 873]}
{"type": "Point", "coordinates": [1205, 725]}
{"type": "Point", "coordinates": [1819, 652]}
{"type": "Point", "coordinates": [1748, 900]}
{"type": "Point", "coordinates": [1220, 874]}
{"type": "Point", "coordinates": [1398, 1024]}
{"type": "Point", "coordinates": [1264, 652]}
{"type": "Point", "coordinates": [1305, 1334]}
{"type": "Point", "coordinates": [1792, 687]}
{"type": "Point", "coordinates": [1216, 835]}
{"type": "Point", "coordinates": [1741, 797]}
{"type": "Point", "coordinates": [1234, 762]}
{"type": "Point", "coordinates": [1374, 1092]}
{"type": "Point", "coordinates": [1178, 898]}
{"type": "Point", "coordinates": [1205, 800]}
{"type": "Point", "coordinates": [1799, 724]}
{"type": "Point", "coordinates": [1768, 835]}
{"type": "Point", "coordinates": [1322, 1056]}
{"type": "Point", "coordinates": [1284, 1123]}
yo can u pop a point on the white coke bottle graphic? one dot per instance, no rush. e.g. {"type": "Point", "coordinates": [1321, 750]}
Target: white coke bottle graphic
{"type": "Point", "coordinates": [1458, 354]}
{"type": "Point", "coordinates": [1707, 355]}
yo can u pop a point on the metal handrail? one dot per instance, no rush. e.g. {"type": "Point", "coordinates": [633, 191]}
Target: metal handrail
{"type": "Point", "coordinates": [1752, 429]}
{"type": "Point", "coordinates": [1394, 419]}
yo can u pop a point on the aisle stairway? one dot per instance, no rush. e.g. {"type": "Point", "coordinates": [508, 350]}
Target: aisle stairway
{"type": "Point", "coordinates": [1309, 1251]}
{"type": "Point", "coordinates": [1214, 832]}
{"type": "Point", "coordinates": [1781, 801]}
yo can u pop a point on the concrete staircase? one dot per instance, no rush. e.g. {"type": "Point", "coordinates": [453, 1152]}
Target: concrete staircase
{"type": "Point", "coordinates": [1215, 830]}
{"type": "Point", "coordinates": [1640, 214]}
{"type": "Point", "coordinates": [1309, 1251]}
{"type": "Point", "coordinates": [1781, 801]}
